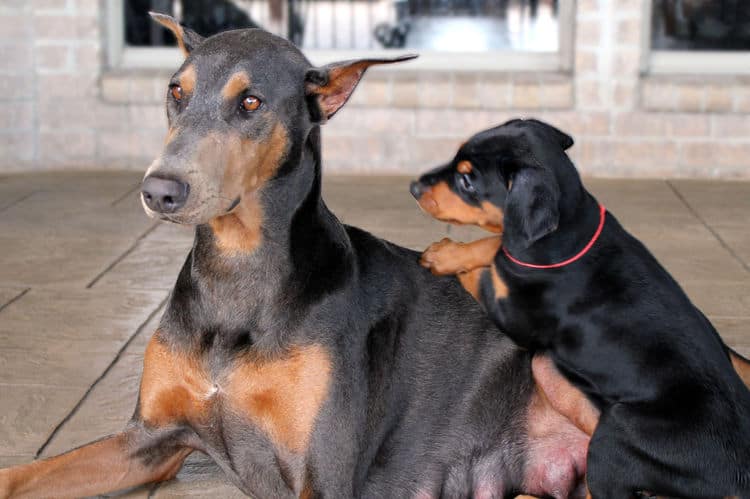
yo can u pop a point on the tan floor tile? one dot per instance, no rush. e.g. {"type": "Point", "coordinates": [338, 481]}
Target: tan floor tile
{"type": "Point", "coordinates": [9, 294]}
{"type": "Point", "coordinates": [719, 203]}
{"type": "Point", "coordinates": [113, 184]}
{"type": "Point", "coordinates": [738, 240]}
{"type": "Point", "coordinates": [153, 264]}
{"type": "Point", "coordinates": [8, 461]}
{"type": "Point", "coordinates": [721, 299]}
{"type": "Point", "coordinates": [30, 413]}
{"type": "Point", "coordinates": [735, 332]}
{"type": "Point", "coordinates": [30, 260]}
{"type": "Point", "coordinates": [56, 363]}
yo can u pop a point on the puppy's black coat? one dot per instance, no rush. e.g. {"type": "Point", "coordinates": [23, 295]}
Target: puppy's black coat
{"type": "Point", "coordinates": [675, 415]}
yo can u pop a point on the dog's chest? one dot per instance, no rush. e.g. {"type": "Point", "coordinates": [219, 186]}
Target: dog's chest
{"type": "Point", "coordinates": [278, 397]}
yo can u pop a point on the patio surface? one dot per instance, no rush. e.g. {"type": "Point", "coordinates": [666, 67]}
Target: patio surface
{"type": "Point", "coordinates": [79, 297]}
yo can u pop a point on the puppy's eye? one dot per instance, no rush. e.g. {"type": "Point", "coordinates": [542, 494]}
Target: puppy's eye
{"type": "Point", "coordinates": [466, 184]}
{"type": "Point", "coordinates": [250, 103]}
{"type": "Point", "coordinates": [176, 92]}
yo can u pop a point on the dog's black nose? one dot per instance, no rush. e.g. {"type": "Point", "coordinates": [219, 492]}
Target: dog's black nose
{"type": "Point", "coordinates": [164, 195]}
{"type": "Point", "coordinates": [416, 189]}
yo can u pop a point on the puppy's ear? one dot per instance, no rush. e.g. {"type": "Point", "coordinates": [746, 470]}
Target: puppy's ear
{"type": "Point", "coordinates": [532, 203]}
{"type": "Point", "coordinates": [187, 39]}
{"type": "Point", "coordinates": [332, 85]}
{"type": "Point", "coordinates": [562, 138]}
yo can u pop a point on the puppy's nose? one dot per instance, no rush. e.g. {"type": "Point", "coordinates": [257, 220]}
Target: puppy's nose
{"type": "Point", "coordinates": [416, 189]}
{"type": "Point", "coordinates": [164, 195]}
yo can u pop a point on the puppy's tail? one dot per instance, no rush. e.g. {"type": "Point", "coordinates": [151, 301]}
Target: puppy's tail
{"type": "Point", "coordinates": [741, 365]}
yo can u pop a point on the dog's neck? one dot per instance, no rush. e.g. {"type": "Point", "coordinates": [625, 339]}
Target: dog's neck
{"type": "Point", "coordinates": [578, 222]}
{"type": "Point", "coordinates": [304, 253]}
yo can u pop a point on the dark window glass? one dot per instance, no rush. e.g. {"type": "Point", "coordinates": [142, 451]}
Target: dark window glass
{"type": "Point", "coordinates": [701, 25]}
{"type": "Point", "coordinates": [442, 25]}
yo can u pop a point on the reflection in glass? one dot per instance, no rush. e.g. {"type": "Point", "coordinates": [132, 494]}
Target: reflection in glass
{"type": "Point", "coordinates": [700, 25]}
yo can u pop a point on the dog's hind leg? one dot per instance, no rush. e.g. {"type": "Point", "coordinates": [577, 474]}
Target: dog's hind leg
{"type": "Point", "coordinates": [116, 462]}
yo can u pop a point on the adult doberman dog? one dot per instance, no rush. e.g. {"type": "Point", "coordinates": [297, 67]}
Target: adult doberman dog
{"type": "Point", "coordinates": [307, 358]}
{"type": "Point", "coordinates": [568, 280]}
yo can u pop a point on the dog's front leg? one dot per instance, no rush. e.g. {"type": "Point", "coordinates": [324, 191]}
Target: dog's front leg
{"type": "Point", "coordinates": [114, 463]}
{"type": "Point", "coordinates": [447, 257]}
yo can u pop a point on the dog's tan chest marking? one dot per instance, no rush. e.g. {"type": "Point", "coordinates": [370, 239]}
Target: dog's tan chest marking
{"type": "Point", "coordinates": [282, 396]}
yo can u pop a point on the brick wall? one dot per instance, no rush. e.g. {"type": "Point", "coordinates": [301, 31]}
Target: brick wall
{"type": "Point", "coordinates": [60, 107]}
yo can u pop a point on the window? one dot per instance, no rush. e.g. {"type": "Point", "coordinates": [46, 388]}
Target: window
{"type": "Point", "coordinates": [699, 36]}
{"type": "Point", "coordinates": [449, 34]}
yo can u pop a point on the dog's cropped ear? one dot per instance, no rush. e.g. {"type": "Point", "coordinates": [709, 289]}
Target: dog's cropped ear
{"type": "Point", "coordinates": [333, 84]}
{"type": "Point", "coordinates": [187, 39]}
{"type": "Point", "coordinates": [562, 138]}
{"type": "Point", "coordinates": [532, 203]}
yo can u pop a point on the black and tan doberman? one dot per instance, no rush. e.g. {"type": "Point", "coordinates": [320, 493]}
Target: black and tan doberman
{"type": "Point", "coordinates": [307, 358]}
{"type": "Point", "coordinates": [569, 282]}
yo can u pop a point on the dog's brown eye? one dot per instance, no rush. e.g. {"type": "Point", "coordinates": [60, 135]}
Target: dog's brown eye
{"type": "Point", "coordinates": [176, 92]}
{"type": "Point", "coordinates": [250, 103]}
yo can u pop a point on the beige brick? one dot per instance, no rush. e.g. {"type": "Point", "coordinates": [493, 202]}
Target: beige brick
{"type": "Point", "coordinates": [625, 94]}
{"type": "Point", "coordinates": [714, 154]}
{"type": "Point", "coordinates": [658, 96]}
{"type": "Point", "coordinates": [373, 92]}
{"type": "Point", "coordinates": [640, 125]}
{"type": "Point", "coordinates": [718, 99]}
{"type": "Point", "coordinates": [588, 7]}
{"type": "Point", "coordinates": [152, 117]}
{"type": "Point", "coordinates": [587, 61]}
{"type": "Point", "coordinates": [526, 96]}
{"type": "Point", "coordinates": [741, 98]}
{"type": "Point", "coordinates": [13, 27]}
{"type": "Point", "coordinates": [88, 58]}
{"type": "Point", "coordinates": [690, 97]}
{"type": "Point", "coordinates": [455, 123]}
{"type": "Point", "coordinates": [731, 125]}
{"type": "Point", "coordinates": [371, 121]}
{"type": "Point", "coordinates": [494, 92]}
{"type": "Point", "coordinates": [365, 148]}
{"type": "Point", "coordinates": [16, 146]}
{"type": "Point", "coordinates": [689, 125]}
{"type": "Point", "coordinates": [556, 95]}
{"type": "Point", "coordinates": [118, 145]}
{"type": "Point", "coordinates": [628, 31]}
{"type": "Point", "coordinates": [66, 27]}
{"type": "Point", "coordinates": [151, 144]}
{"type": "Point", "coordinates": [65, 146]}
{"type": "Point", "coordinates": [404, 91]}
{"type": "Point", "coordinates": [428, 152]}
{"type": "Point", "coordinates": [627, 63]}
{"type": "Point", "coordinates": [16, 58]}
{"type": "Point", "coordinates": [54, 58]}
{"type": "Point", "coordinates": [56, 6]}
{"type": "Point", "coordinates": [16, 115]}
{"type": "Point", "coordinates": [68, 85]}
{"type": "Point", "coordinates": [590, 94]}
{"type": "Point", "coordinates": [17, 86]}
{"type": "Point", "coordinates": [588, 32]}
{"type": "Point", "coordinates": [641, 154]}
{"type": "Point", "coordinates": [578, 124]}
{"type": "Point", "coordinates": [435, 90]}
{"type": "Point", "coordinates": [115, 88]}
{"type": "Point", "coordinates": [466, 91]}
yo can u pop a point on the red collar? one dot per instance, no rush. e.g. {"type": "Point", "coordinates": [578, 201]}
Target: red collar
{"type": "Point", "coordinates": [577, 256]}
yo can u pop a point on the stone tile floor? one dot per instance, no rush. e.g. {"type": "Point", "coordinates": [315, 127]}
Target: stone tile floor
{"type": "Point", "coordinates": [84, 275]}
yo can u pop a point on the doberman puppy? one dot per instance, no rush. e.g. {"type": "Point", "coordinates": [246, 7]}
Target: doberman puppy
{"type": "Point", "coordinates": [307, 358]}
{"type": "Point", "coordinates": [569, 281]}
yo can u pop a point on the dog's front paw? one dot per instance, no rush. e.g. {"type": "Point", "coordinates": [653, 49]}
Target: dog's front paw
{"type": "Point", "coordinates": [443, 257]}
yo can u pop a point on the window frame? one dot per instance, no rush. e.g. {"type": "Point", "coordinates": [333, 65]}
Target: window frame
{"type": "Point", "coordinates": [121, 56]}
{"type": "Point", "coordinates": [688, 62]}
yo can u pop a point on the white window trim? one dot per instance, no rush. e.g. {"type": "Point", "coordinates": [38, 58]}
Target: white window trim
{"type": "Point", "coordinates": [688, 62]}
{"type": "Point", "coordinates": [120, 56]}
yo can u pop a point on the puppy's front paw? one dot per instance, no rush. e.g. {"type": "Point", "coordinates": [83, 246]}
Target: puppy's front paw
{"type": "Point", "coordinates": [443, 257]}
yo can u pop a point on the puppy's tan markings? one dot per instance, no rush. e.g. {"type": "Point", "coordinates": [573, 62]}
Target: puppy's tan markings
{"type": "Point", "coordinates": [464, 167]}
{"type": "Point", "coordinates": [283, 396]}
{"type": "Point", "coordinates": [444, 204]}
{"type": "Point", "coordinates": [741, 367]}
{"type": "Point", "coordinates": [498, 285]}
{"type": "Point", "coordinates": [448, 257]}
{"type": "Point", "coordinates": [235, 85]}
{"type": "Point", "coordinates": [471, 281]}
